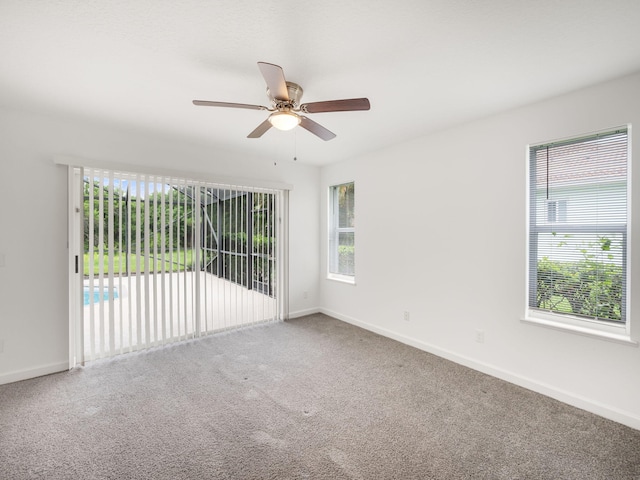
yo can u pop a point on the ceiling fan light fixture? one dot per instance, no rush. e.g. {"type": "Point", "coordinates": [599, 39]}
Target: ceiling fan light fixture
{"type": "Point", "coordinates": [284, 120]}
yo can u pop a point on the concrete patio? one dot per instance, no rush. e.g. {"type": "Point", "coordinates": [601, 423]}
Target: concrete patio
{"type": "Point", "coordinates": [155, 309]}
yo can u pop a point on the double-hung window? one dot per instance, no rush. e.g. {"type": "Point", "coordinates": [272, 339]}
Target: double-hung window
{"type": "Point", "coordinates": [342, 232]}
{"type": "Point", "coordinates": [578, 231]}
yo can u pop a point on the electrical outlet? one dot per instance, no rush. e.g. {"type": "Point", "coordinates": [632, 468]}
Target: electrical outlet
{"type": "Point", "coordinates": [480, 336]}
{"type": "Point", "coordinates": [305, 295]}
{"type": "Point", "coordinates": [406, 316]}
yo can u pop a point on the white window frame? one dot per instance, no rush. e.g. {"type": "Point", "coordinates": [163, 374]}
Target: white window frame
{"type": "Point", "coordinates": [565, 322]}
{"type": "Point", "coordinates": [334, 232]}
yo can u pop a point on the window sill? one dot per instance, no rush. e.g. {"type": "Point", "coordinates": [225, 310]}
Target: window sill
{"type": "Point", "coordinates": [623, 338]}
{"type": "Point", "coordinates": [342, 278]}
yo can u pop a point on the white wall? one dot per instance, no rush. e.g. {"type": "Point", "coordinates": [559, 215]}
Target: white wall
{"type": "Point", "coordinates": [441, 233]}
{"type": "Point", "coordinates": [33, 222]}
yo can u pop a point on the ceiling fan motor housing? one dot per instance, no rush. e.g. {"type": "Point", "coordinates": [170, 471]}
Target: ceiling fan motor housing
{"type": "Point", "coordinates": [295, 94]}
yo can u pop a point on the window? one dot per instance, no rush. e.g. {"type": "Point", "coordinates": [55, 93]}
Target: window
{"type": "Point", "coordinates": [342, 232]}
{"type": "Point", "coordinates": [578, 231]}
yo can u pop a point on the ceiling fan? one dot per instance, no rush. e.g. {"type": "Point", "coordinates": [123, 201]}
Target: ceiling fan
{"type": "Point", "coordinates": [285, 100]}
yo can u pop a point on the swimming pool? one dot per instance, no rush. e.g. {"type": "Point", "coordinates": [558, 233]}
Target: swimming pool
{"type": "Point", "coordinates": [99, 296]}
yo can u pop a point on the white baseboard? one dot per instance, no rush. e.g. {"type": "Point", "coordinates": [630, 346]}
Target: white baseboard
{"type": "Point", "coordinates": [33, 372]}
{"type": "Point", "coordinates": [564, 396]}
{"type": "Point", "coordinates": [302, 313]}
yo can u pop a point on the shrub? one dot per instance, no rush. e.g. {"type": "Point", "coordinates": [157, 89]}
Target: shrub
{"type": "Point", "coordinates": [586, 288]}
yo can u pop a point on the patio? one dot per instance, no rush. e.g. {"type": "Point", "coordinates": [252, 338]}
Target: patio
{"type": "Point", "coordinates": [155, 309]}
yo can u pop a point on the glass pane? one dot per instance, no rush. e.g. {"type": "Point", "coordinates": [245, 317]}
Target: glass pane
{"type": "Point", "coordinates": [346, 201]}
{"type": "Point", "coordinates": [582, 182]}
{"type": "Point", "coordinates": [581, 274]}
{"type": "Point", "coordinates": [346, 253]}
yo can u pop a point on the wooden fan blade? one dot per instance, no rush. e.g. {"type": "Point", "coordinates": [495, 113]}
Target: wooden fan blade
{"type": "Point", "coordinates": [206, 103]}
{"type": "Point", "coordinates": [316, 129]}
{"type": "Point", "coordinates": [274, 76]}
{"type": "Point", "coordinates": [336, 105]}
{"type": "Point", "coordinates": [260, 129]}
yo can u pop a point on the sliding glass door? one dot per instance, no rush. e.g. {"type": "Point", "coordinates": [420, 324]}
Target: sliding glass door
{"type": "Point", "coordinates": [167, 259]}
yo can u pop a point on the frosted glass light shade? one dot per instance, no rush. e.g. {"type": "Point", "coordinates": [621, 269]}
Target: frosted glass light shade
{"type": "Point", "coordinates": [284, 120]}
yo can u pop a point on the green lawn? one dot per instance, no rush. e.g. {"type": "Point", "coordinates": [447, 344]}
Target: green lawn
{"type": "Point", "coordinates": [119, 262]}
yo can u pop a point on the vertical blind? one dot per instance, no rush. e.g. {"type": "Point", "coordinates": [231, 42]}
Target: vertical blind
{"type": "Point", "coordinates": [169, 259]}
{"type": "Point", "coordinates": [578, 227]}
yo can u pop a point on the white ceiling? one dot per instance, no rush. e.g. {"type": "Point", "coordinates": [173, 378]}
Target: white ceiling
{"type": "Point", "coordinates": [424, 64]}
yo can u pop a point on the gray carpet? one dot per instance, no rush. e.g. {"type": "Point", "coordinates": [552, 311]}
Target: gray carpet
{"type": "Point", "coordinates": [312, 398]}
